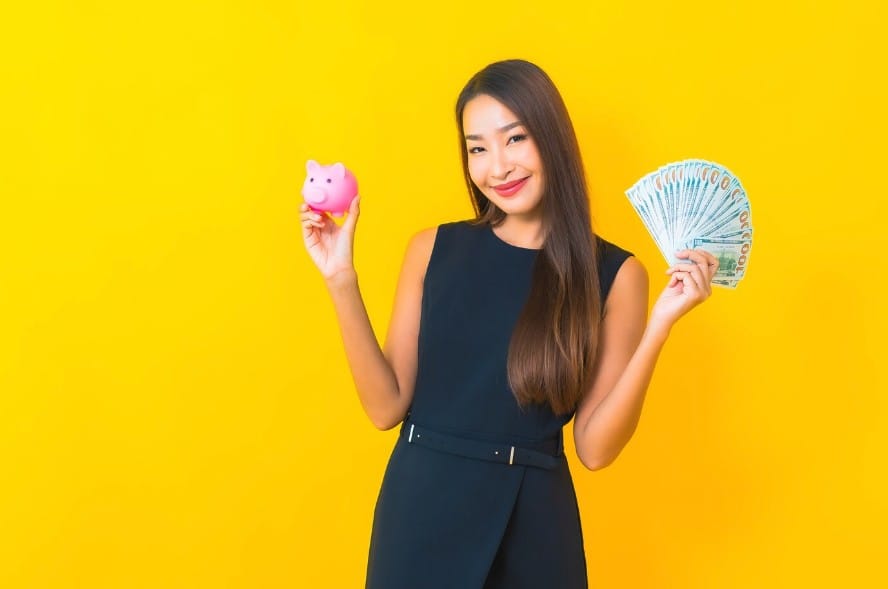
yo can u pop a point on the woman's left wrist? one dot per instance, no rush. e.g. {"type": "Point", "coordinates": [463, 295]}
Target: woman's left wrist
{"type": "Point", "coordinates": [657, 330]}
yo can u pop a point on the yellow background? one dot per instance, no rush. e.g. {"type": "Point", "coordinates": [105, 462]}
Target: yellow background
{"type": "Point", "coordinates": [175, 406]}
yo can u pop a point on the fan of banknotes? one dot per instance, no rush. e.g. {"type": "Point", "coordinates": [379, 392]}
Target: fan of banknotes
{"type": "Point", "coordinates": [696, 204]}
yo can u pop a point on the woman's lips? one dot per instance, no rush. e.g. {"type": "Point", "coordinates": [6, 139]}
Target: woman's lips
{"type": "Point", "coordinates": [510, 188]}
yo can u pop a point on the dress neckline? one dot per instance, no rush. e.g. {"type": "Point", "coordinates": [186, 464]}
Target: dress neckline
{"type": "Point", "coordinates": [489, 229]}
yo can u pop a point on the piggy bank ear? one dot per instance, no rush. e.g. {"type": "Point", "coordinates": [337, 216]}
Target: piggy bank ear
{"type": "Point", "coordinates": [338, 171]}
{"type": "Point", "coordinates": [311, 166]}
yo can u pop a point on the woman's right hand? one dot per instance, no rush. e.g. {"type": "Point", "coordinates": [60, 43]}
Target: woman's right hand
{"type": "Point", "coordinates": [330, 246]}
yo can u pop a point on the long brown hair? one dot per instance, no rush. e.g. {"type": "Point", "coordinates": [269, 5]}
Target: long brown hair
{"type": "Point", "coordinates": [555, 341]}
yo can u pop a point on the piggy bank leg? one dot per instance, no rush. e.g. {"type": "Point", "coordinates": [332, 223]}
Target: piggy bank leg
{"type": "Point", "coordinates": [337, 214]}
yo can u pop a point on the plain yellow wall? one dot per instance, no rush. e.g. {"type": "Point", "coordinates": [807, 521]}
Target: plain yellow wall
{"type": "Point", "coordinates": [175, 406]}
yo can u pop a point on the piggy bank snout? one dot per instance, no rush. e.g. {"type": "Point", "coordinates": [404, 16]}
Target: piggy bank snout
{"type": "Point", "coordinates": [314, 195]}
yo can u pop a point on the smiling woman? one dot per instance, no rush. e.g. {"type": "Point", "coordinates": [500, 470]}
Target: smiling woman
{"type": "Point", "coordinates": [503, 160]}
{"type": "Point", "coordinates": [505, 327]}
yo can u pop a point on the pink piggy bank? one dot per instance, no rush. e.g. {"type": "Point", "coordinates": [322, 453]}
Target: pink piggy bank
{"type": "Point", "coordinates": [329, 188]}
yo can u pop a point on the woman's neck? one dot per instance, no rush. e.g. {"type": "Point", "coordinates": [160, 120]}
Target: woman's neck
{"type": "Point", "coordinates": [527, 233]}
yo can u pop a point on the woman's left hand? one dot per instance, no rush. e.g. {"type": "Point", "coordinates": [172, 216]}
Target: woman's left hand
{"type": "Point", "coordinates": [689, 285]}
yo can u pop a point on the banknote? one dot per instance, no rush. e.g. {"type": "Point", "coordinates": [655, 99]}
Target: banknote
{"type": "Point", "coordinates": [697, 204]}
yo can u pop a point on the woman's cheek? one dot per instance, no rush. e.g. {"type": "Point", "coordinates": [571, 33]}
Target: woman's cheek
{"type": "Point", "coordinates": [476, 175]}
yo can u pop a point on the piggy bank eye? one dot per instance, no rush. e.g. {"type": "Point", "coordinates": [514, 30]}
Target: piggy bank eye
{"type": "Point", "coordinates": [311, 179]}
{"type": "Point", "coordinates": [329, 180]}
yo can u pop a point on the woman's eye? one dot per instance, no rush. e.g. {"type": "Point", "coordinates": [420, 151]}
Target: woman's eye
{"type": "Point", "coordinates": [478, 149]}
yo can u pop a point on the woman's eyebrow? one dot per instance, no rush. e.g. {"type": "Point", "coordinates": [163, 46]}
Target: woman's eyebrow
{"type": "Point", "coordinates": [500, 130]}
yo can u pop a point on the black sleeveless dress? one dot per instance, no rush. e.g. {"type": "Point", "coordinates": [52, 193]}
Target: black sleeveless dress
{"type": "Point", "coordinates": [452, 511]}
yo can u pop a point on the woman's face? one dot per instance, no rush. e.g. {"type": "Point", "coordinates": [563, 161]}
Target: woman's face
{"type": "Point", "coordinates": [503, 159]}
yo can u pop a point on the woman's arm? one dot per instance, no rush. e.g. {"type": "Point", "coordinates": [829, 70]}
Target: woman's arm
{"type": "Point", "coordinates": [629, 347]}
{"type": "Point", "coordinates": [608, 414]}
{"type": "Point", "coordinates": [384, 380]}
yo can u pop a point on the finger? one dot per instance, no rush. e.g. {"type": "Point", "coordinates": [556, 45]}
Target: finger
{"type": "Point", "coordinates": [310, 225]}
{"type": "Point", "coordinates": [354, 211]}
{"type": "Point", "coordinates": [701, 257]}
{"type": "Point", "coordinates": [689, 285]}
{"type": "Point", "coordinates": [678, 277]}
{"type": "Point", "coordinates": [683, 266]}
{"type": "Point", "coordinates": [307, 230]}
{"type": "Point", "coordinates": [313, 223]}
{"type": "Point", "coordinates": [700, 277]}
{"type": "Point", "coordinates": [696, 256]}
{"type": "Point", "coordinates": [695, 273]}
{"type": "Point", "coordinates": [709, 266]}
{"type": "Point", "coordinates": [313, 215]}
{"type": "Point", "coordinates": [713, 261]}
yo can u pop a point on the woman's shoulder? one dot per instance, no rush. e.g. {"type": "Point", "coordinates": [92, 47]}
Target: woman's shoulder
{"type": "Point", "coordinates": [453, 231]}
{"type": "Point", "coordinates": [459, 225]}
{"type": "Point", "coordinates": [612, 258]}
{"type": "Point", "coordinates": [426, 236]}
{"type": "Point", "coordinates": [423, 241]}
{"type": "Point", "coordinates": [419, 249]}
{"type": "Point", "coordinates": [610, 250]}
{"type": "Point", "coordinates": [429, 243]}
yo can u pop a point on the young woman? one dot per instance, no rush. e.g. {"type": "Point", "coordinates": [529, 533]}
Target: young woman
{"type": "Point", "coordinates": [504, 327]}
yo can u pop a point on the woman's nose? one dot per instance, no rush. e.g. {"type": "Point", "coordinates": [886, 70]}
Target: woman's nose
{"type": "Point", "coordinates": [500, 164]}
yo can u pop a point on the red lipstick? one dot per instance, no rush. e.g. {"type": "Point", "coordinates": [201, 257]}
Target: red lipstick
{"type": "Point", "coordinates": [510, 188]}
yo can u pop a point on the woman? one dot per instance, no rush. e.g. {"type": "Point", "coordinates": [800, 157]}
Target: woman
{"type": "Point", "coordinates": [504, 328]}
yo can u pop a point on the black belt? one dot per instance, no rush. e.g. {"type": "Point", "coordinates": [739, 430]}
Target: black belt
{"type": "Point", "coordinates": [547, 455]}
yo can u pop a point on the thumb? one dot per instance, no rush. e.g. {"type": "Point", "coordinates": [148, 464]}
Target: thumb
{"type": "Point", "coordinates": [354, 211]}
